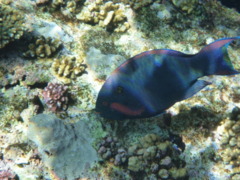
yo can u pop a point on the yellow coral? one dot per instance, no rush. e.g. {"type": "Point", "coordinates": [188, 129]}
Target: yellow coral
{"type": "Point", "coordinates": [68, 68]}
{"type": "Point", "coordinates": [107, 15]}
{"type": "Point", "coordinates": [42, 47]}
{"type": "Point", "coordinates": [11, 25]}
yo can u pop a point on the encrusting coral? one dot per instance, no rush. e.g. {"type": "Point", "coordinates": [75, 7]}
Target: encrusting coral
{"type": "Point", "coordinates": [55, 96]}
{"type": "Point", "coordinates": [68, 68]}
{"type": "Point", "coordinates": [137, 4]}
{"type": "Point", "coordinates": [157, 158]}
{"type": "Point", "coordinates": [11, 25]}
{"type": "Point", "coordinates": [230, 141]}
{"type": "Point", "coordinates": [110, 148]}
{"type": "Point", "coordinates": [185, 5]}
{"type": "Point", "coordinates": [105, 14]}
{"type": "Point", "coordinates": [152, 157]}
{"type": "Point", "coordinates": [42, 47]}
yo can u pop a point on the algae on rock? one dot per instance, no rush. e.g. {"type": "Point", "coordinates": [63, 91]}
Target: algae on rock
{"type": "Point", "coordinates": [65, 147]}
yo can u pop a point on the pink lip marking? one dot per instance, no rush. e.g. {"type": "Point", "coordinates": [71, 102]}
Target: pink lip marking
{"type": "Point", "coordinates": [125, 110]}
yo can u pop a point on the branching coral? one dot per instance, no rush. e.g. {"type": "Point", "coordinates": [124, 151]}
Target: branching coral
{"type": "Point", "coordinates": [105, 14]}
{"type": "Point", "coordinates": [55, 96]}
{"type": "Point", "coordinates": [11, 25]}
{"type": "Point", "coordinates": [68, 68]}
{"type": "Point", "coordinates": [42, 47]}
{"type": "Point", "coordinates": [67, 8]}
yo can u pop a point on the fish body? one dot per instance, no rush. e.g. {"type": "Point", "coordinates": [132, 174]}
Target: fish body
{"type": "Point", "coordinates": [150, 82]}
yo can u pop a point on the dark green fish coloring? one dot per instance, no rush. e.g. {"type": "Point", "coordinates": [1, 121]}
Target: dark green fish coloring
{"type": "Point", "coordinates": [150, 82]}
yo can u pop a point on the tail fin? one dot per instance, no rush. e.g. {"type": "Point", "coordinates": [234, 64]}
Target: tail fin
{"type": "Point", "coordinates": [215, 57]}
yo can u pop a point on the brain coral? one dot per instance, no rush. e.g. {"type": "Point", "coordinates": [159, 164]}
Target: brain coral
{"type": "Point", "coordinates": [11, 25]}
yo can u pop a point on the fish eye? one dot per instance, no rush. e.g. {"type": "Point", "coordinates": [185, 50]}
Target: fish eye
{"type": "Point", "coordinates": [105, 103]}
{"type": "Point", "coordinates": [119, 89]}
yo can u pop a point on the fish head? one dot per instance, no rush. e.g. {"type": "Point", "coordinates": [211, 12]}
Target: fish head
{"type": "Point", "coordinates": [116, 100]}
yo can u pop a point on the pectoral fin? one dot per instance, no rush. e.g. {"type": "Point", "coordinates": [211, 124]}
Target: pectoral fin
{"type": "Point", "coordinates": [197, 86]}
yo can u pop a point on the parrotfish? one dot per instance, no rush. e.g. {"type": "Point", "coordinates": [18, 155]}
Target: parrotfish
{"type": "Point", "coordinates": [152, 81]}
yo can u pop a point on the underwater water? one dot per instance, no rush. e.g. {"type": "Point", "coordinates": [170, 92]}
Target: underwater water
{"type": "Point", "coordinates": [69, 111]}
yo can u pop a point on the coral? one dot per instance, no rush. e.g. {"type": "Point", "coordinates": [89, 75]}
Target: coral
{"type": "Point", "coordinates": [105, 14]}
{"type": "Point", "coordinates": [11, 25]}
{"type": "Point", "coordinates": [67, 8]}
{"type": "Point", "coordinates": [229, 139]}
{"type": "Point", "coordinates": [137, 4]}
{"type": "Point", "coordinates": [152, 157]}
{"type": "Point", "coordinates": [68, 68]}
{"type": "Point", "coordinates": [8, 174]}
{"type": "Point", "coordinates": [110, 148]}
{"type": "Point", "coordinates": [185, 5]}
{"type": "Point", "coordinates": [157, 158]}
{"type": "Point", "coordinates": [42, 47]}
{"type": "Point", "coordinates": [55, 96]}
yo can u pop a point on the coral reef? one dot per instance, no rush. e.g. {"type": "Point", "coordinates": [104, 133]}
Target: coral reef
{"type": "Point", "coordinates": [56, 97]}
{"type": "Point", "coordinates": [15, 71]}
{"type": "Point", "coordinates": [8, 174]}
{"type": "Point", "coordinates": [152, 157]}
{"type": "Point", "coordinates": [68, 68]}
{"type": "Point", "coordinates": [157, 158]}
{"type": "Point", "coordinates": [110, 148]}
{"type": "Point", "coordinates": [105, 14]}
{"type": "Point", "coordinates": [13, 101]}
{"type": "Point", "coordinates": [185, 5]}
{"type": "Point", "coordinates": [67, 8]}
{"type": "Point", "coordinates": [187, 122]}
{"type": "Point", "coordinates": [42, 47]}
{"type": "Point", "coordinates": [137, 4]}
{"type": "Point", "coordinates": [229, 132]}
{"type": "Point", "coordinates": [11, 25]}
{"type": "Point", "coordinates": [42, 146]}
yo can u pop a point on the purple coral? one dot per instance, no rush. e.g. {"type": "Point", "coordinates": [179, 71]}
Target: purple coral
{"type": "Point", "coordinates": [110, 148]}
{"type": "Point", "coordinates": [55, 97]}
{"type": "Point", "coordinates": [8, 175]}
